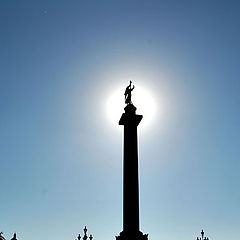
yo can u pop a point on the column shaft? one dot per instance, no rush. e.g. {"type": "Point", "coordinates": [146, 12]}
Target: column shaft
{"type": "Point", "coordinates": [130, 180]}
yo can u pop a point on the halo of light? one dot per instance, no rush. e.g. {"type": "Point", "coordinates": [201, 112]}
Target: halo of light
{"type": "Point", "coordinates": [142, 100]}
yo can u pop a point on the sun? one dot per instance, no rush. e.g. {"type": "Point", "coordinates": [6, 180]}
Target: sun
{"type": "Point", "coordinates": [142, 100]}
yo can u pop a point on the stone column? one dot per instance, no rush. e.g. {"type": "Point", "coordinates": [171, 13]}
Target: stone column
{"type": "Point", "coordinates": [130, 121]}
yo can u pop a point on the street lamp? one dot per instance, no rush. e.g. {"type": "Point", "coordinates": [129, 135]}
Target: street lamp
{"type": "Point", "coordinates": [203, 238]}
{"type": "Point", "coordinates": [85, 236]}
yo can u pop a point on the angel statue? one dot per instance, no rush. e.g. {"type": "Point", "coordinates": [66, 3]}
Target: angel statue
{"type": "Point", "coordinates": [128, 94]}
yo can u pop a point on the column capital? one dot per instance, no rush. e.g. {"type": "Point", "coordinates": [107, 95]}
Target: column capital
{"type": "Point", "coordinates": [130, 117]}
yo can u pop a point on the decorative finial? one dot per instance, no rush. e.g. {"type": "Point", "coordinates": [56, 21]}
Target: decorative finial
{"type": "Point", "coordinates": [85, 231]}
{"type": "Point", "coordinates": [203, 237]}
{"type": "Point", "coordinates": [128, 94]}
{"type": "Point", "coordinates": [85, 236]}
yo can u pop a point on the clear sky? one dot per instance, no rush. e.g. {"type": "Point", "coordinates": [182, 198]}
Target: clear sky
{"type": "Point", "coordinates": [61, 157]}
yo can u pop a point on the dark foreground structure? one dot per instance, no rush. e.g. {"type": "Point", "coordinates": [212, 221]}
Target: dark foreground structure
{"type": "Point", "coordinates": [130, 120]}
{"type": "Point", "coordinates": [14, 236]}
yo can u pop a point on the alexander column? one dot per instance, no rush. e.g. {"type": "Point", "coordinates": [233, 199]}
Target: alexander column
{"type": "Point", "coordinates": [130, 121]}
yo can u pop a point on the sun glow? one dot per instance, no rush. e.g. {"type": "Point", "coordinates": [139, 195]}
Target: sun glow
{"type": "Point", "coordinates": [142, 100]}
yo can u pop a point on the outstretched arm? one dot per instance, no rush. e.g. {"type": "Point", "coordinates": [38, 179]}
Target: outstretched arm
{"type": "Point", "coordinates": [130, 84]}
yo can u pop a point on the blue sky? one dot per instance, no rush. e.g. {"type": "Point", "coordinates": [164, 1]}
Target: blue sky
{"type": "Point", "coordinates": [61, 159]}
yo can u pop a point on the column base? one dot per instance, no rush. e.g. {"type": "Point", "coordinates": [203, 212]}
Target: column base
{"type": "Point", "coordinates": [132, 236]}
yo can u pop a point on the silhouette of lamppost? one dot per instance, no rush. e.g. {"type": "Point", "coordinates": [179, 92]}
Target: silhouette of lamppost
{"type": "Point", "coordinates": [85, 237]}
{"type": "Point", "coordinates": [203, 237]}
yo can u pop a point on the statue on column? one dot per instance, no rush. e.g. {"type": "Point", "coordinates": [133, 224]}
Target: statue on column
{"type": "Point", "coordinates": [128, 93]}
